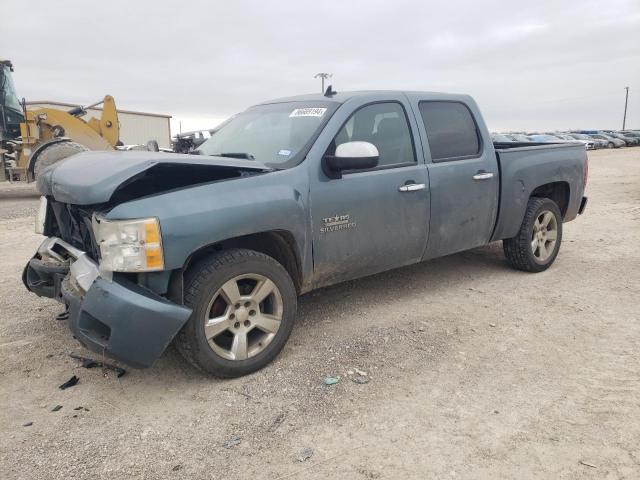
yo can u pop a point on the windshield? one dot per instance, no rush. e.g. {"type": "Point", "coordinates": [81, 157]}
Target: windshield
{"type": "Point", "coordinates": [278, 135]}
{"type": "Point", "coordinates": [8, 96]}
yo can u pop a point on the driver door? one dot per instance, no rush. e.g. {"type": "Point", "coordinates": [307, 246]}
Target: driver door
{"type": "Point", "coordinates": [368, 221]}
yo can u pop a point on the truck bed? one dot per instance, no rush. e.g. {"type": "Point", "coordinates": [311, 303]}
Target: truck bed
{"type": "Point", "coordinates": [523, 167]}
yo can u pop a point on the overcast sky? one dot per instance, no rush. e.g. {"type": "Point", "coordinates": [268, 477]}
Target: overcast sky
{"type": "Point", "coordinates": [530, 65]}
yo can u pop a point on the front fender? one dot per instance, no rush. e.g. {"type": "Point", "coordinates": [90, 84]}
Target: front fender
{"type": "Point", "coordinates": [194, 217]}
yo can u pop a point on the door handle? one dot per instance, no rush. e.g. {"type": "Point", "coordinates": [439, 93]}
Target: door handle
{"type": "Point", "coordinates": [483, 176]}
{"type": "Point", "coordinates": [412, 187]}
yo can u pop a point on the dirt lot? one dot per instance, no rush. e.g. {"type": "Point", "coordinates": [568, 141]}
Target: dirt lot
{"type": "Point", "coordinates": [476, 371]}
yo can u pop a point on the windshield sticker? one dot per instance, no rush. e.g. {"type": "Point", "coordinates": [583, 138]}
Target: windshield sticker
{"type": "Point", "coordinates": [308, 112]}
{"type": "Point", "coordinates": [284, 153]}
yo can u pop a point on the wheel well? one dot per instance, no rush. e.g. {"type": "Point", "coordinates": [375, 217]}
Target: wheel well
{"type": "Point", "coordinates": [279, 245]}
{"type": "Point", "coordinates": [556, 191]}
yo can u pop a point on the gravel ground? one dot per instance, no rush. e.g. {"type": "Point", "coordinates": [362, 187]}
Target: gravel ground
{"type": "Point", "coordinates": [475, 371]}
{"type": "Point", "coordinates": [18, 200]}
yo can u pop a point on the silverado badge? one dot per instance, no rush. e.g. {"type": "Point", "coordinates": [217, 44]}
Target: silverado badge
{"type": "Point", "coordinates": [337, 222]}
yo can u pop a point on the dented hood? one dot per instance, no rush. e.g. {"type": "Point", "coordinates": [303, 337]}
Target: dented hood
{"type": "Point", "coordinates": [93, 177]}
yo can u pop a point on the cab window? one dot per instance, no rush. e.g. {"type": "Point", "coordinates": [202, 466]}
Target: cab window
{"type": "Point", "coordinates": [451, 130]}
{"type": "Point", "coordinates": [384, 125]}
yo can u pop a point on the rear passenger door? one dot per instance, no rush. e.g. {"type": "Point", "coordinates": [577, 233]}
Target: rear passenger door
{"type": "Point", "coordinates": [463, 175]}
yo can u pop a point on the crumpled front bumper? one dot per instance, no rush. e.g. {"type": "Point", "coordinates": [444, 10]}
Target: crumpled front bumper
{"type": "Point", "coordinates": [117, 318]}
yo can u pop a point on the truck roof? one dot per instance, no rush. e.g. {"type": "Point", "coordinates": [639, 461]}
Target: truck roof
{"type": "Point", "coordinates": [341, 97]}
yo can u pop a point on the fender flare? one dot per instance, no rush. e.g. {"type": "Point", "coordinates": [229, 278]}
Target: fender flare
{"type": "Point", "coordinates": [38, 150]}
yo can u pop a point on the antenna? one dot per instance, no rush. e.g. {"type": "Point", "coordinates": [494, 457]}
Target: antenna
{"type": "Point", "coordinates": [330, 92]}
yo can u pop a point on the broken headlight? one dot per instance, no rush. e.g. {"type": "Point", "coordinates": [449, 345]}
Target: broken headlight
{"type": "Point", "coordinates": [129, 245]}
{"type": "Point", "coordinates": [41, 216]}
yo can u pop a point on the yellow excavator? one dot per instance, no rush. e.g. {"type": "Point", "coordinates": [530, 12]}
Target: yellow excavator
{"type": "Point", "coordinates": [31, 140]}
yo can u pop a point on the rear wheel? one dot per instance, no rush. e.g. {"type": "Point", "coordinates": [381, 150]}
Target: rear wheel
{"type": "Point", "coordinates": [244, 306]}
{"type": "Point", "coordinates": [54, 153]}
{"type": "Point", "coordinates": [537, 243]}
{"type": "Point", "coordinates": [610, 145]}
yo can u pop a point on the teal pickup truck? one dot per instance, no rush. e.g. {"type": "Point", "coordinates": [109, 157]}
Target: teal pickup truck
{"type": "Point", "coordinates": [211, 250]}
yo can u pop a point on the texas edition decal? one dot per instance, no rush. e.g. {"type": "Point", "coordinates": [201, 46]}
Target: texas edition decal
{"type": "Point", "coordinates": [335, 223]}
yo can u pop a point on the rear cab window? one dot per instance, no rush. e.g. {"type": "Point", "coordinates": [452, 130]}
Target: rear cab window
{"type": "Point", "coordinates": [452, 131]}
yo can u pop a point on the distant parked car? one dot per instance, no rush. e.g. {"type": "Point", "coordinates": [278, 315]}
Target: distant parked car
{"type": "Point", "coordinates": [151, 146]}
{"type": "Point", "coordinates": [500, 138]}
{"type": "Point", "coordinates": [628, 140]}
{"type": "Point", "coordinates": [631, 133]}
{"type": "Point", "coordinates": [546, 138]}
{"type": "Point", "coordinates": [186, 142]}
{"type": "Point", "coordinates": [518, 137]}
{"type": "Point", "coordinates": [581, 136]}
{"type": "Point", "coordinates": [589, 144]}
{"type": "Point", "coordinates": [611, 141]}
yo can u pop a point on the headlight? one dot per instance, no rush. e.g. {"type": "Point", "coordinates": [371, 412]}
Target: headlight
{"type": "Point", "coordinates": [129, 245]}
{"type": "Point", "coordinates": [41, 216]}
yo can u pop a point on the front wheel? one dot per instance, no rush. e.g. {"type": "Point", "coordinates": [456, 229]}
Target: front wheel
{"type": "Point", "coordinates": [537, 243]}
{"type": "Point", "coordinates": [244, 306]}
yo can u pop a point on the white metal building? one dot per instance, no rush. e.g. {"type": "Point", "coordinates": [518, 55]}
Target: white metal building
{"type": "Point", "coordinates": [136, 128]}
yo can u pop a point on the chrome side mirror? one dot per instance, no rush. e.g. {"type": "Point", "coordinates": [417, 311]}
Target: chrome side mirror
{"type": "Point", "coordinates": [351, 156]}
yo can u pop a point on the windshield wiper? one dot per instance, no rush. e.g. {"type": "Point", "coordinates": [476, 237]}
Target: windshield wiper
{"type": "Point", "coordinates": [245, 156]}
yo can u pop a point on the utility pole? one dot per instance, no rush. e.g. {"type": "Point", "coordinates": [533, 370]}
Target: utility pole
{"type": "Point", "coordinates": [323, 76]}
{"type": "Point", "coordinates": [626, 100]}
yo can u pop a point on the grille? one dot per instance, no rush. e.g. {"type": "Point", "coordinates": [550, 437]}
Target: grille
{"type": "Point", "coordinates": [72, 223]}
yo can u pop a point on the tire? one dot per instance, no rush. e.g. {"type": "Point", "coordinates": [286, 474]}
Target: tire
{"type": "Point", "coordinates": [205, 291]}
{"type": "Point", "coordinates": [54, 153]}
{"type": "Point", "coordinates": [533, 249]}
{"type": "Point", "coordinates": [610, 145]}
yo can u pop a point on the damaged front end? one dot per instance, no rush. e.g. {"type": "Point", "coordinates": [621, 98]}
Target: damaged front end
{"type": "Point", "coordinates": [51, 265]}
{"type": "Point", "coordinates": [109, 178]}
{"type": "Point", "coordinates": [90, 264]}
{"type": "Point", "coordinates": [112, 316]}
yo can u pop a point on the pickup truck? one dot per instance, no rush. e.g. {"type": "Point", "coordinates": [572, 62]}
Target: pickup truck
{"type": "Point", "coordinates": [212, 250]}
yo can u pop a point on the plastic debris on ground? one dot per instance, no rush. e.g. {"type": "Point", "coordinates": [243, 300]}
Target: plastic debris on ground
{"type": "Point", "coordinates": [277, 422]}
{"type": "Point", "coordinates": [305, 454]}
{"type": "Point", "coordinates": [331, 380]}
{"type": "Point", "coordinates": [69, 383]}
{"type": "Point", "coordinates": [232, 442]}
{"type": "Point", "coordinates": [92, 363]}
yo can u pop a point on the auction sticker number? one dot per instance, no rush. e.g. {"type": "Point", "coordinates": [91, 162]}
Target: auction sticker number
{"type": "Point", "coordinates": [308, 112]}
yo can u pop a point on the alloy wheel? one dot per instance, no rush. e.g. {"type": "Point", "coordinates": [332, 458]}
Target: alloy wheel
{"type": "Point", "coordinates": [544, 236]}
{"type": "Point", "coordinates": [243, 316]}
